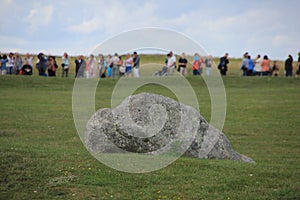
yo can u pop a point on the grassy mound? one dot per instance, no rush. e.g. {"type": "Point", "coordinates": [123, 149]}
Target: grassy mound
{"type": "Point", "coordinates": [42, 157]}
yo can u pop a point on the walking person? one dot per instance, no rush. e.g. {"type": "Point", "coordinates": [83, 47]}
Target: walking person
{"type": "Point", "coordinates": [223, 65]}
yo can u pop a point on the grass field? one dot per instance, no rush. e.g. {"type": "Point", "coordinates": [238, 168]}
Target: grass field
{"type": "Point", "coordinates": [42, 156]}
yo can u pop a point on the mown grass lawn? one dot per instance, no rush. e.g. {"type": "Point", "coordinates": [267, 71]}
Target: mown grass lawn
{"type": "Point", "coordinates": [42, 156]}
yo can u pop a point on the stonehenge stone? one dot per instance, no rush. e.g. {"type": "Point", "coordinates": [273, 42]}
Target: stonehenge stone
{"type": "Point", "coordinates": [152, 124]}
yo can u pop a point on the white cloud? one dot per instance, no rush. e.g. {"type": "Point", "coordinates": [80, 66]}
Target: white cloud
{"type": "Point", "coordinates": [39, 16]}
{"type": "Point", "coordinates": [8, 1]}
{"type": "Point", "coordinates": [233, 27]}
{"type": "Point", "coordinates": [87, 26]}
{"type": "Point", "coordinates": [116, 17]}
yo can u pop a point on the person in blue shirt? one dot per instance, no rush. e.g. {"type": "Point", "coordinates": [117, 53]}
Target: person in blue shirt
{"type": "Point", "coordinates": [245, 63]}
{"type": "Point", "coordinates": [3, 60]}
{"type": "Point", "coordinates": [250, 66]}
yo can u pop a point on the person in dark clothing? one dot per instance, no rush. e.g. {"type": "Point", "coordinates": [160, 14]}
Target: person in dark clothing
{"type": "Point", "coordinates": [52, 66]}
{"type": "Point", "coordinates": [80, 65]}
{"type": "Point", "coordinates": [182, 65]}
{"type": "Point", "coordinates": [298, 66]}
{"type": "Point", "coordinates": [224, 61]}
{"type": "Point", "coordinates": [42, 65]}
{"type": "Point", "coordinates": [289, 66]}
{"type": "Point", "coordinates": [275, 69]}
{"type": "Point", "coordinates": [26, 69]}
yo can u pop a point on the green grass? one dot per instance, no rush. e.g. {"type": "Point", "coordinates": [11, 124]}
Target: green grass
{"type": "Point", "coordinates": [42, 156]}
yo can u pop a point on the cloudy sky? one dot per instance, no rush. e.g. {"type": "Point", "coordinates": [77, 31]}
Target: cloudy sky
{"type": "Point", "coordinates": [269, 27]}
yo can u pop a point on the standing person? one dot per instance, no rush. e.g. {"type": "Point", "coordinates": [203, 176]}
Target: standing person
{"type": "Point", "coordinates": [10, 63]}
{"type": "Point", "coordinates": [128, 65]}
{"type": "Point", "coordinates": [77, 65]}
{"type": "Point", "coordinates": [196, 65]}
{"type": "Point", "coordinates": [18, 63]}
{"type": "Point", "coordinates": [298, 65]}
{"type": "Point", "coordinates": [289, 66]}
{"type": "Point", "coordinates": [115, 68]}
{"type": "Point", "coordinates": [182, 64]}
{"type": "Point", "coordinates": [109, 66]}
{"type": "Point", "coordinates": [80, 66]}
{"type": "Point", "coordinates": [245, 64]}
{"type": "Point", "coordinates": [257, 65]}
{"type": "Point", "coordinates": [3, 61]}
{"type": "Point", "coordinates": [250, 66]}
{"type": "Point", "coordinates": [275, 69]}
{"type": "Point", "coordinates": [102, 65]}
{"type": "Point", "coordinates": [224, 61]}
{"type": "Point", "coordinates": [208, 64]}
{"type": "Point", "coordinates": [29, 59]}
{"type": "Point", "coordinates": [65, 65]}
{"type": "Point", "coordinates": [41, 65]}
{"type": "Point", "coordinates": [171, 63]}
{"type": "Point", "coordinates": [52, 66]}
{"type": "Point", "coordinates": [136, 65]}
{"type": "Point", "coordinates": [121, 67]}
{"type": "Point", "coordinates": [91, 67]}
{"type": "Point", "coordinates": [265, 66]}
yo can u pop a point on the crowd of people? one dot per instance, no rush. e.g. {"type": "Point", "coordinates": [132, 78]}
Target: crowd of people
{"type": "Point", "coordinates": [261, 66]}
{"type": "Point", "coordinates": [113, 66]}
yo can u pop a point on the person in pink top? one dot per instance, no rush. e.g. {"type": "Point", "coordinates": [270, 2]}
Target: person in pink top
{"type": "Point", "coordinates": [265, 66]}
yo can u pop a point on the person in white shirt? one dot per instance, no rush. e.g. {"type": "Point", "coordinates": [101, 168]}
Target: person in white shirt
{"type": "Point", "coordinates": [65, 65]}
{"type": "Point", "coordinates": [10, 64]}
{"type": "Point", "coordinates": [171, 63]}
{"type": "Point", "coordinates": [257, 65]}
{"type": "Point", "coordinates": [136, 65]}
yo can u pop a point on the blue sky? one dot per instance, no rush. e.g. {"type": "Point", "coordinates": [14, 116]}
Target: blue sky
{"type": "Point", "coordinates": [269, 27]}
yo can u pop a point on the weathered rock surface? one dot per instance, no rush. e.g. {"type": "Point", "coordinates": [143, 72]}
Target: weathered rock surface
{"type": "Point", "coordinates": [154, 124]}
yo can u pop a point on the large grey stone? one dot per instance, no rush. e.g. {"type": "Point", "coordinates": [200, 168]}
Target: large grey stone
{"type": "Point", "coordinates": [154, 124]}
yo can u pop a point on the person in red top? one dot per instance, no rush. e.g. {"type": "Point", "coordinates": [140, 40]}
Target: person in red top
{"type": "Point", "coordinates": [265, 66]}
{"type": "Point", "coordinates": [197, 65]}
